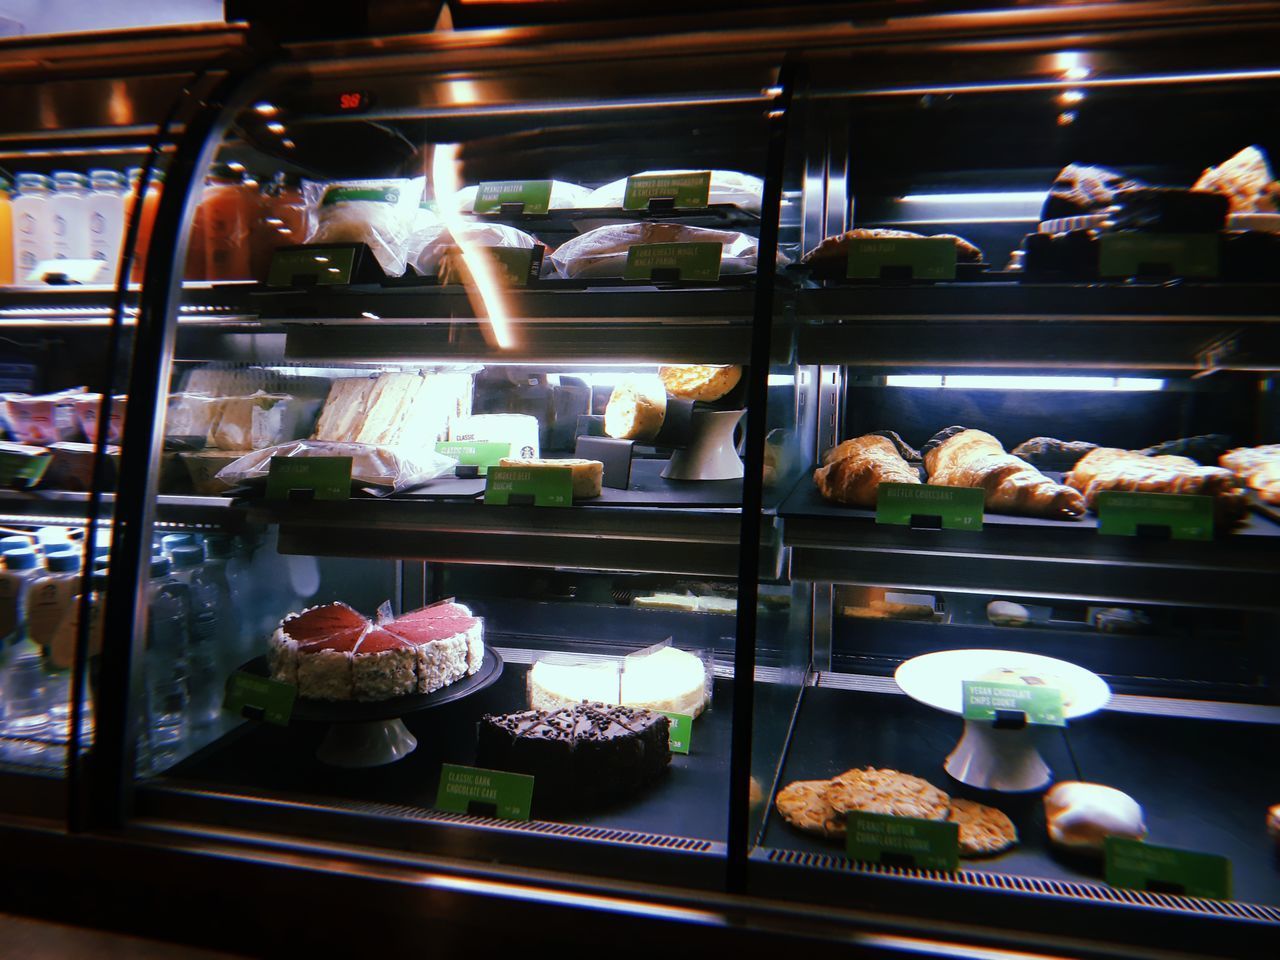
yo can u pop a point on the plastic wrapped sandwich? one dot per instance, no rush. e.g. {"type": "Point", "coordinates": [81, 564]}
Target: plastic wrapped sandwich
{"type": "Point", "coordinates": [727, 186]}
{"type": "Point", "coordinates": [603, 252]}
{"type": "Point", "coordinates": [435, 243]}
{"type": "Point", "coordinates": [380, 213]}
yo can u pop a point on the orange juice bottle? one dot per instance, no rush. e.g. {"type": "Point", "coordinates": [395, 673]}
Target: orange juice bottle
{"type": "Point", "coordinates": [146, 219]}
{"type": "Point", "coordinates": [6, 234]}
{"type": "Point", "coordinates": [228, 212]}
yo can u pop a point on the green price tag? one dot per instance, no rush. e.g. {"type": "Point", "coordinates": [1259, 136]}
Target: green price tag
{"type": "Point", "coordinates": [680, 735]}
{"type": "Point", "coordinates": [687, 261]}
{"type": "Point", "coordinates": [956, 508]}
{"type": "Point", "coordinates": [516, 266]}
{"type": "Point", "coordinates": [329, 265]}
{"type": "Point", "coordinates": [928, 258]}
{"type": "Point", "coordinates": [533, 195]}
{"type": "Point", "coordinates": [1123, 513]}
{"type": "Point", "coordinates": [485, 793]}
{"type": "Point", "coordinates": [470, 454]}
{"type": "Point", "coordinates": [260, 698]}
{"type": "Point", "coordinates": [1042, 705]}
{"type": "Point", "coordinates": [1127, 254]}
{"type": "Point", "coordinates": [683, 189]}
{"type": "Point", "coordinates": [1145, 866]}
{"type": "Point", "coordinates": [309, 478]}
{"type": "Point", "coordinates": [540, 487]}
{"type": "Point", "coordinates": [903, 841]}
{"type": "Point", "coordinates": [21, 470]}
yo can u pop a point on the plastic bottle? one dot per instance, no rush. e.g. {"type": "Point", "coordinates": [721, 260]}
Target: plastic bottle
{"type": "Point", "coordinates": [69, 206]}
{"type": "Point", "coordinates": [19, 567]}
{"type": "Point", "coordinates": [24, 685]}
{"type": "Point", "coordinates": [52, 538]}
{"type": "Point", "coordinates": [168, 694]}
{"type": "Point", "coordinates": [6, 232]}
{"type": "Point", "coordinates": [171, 541]}
{"type": "Point", "coordinates": [33, 226]}
{"type": "Point", "coordinates": [228, 214]}
{"type": "Point", "coordinates": [219, 550]}
{"type": "Point", "coordinates": [246, 591]}
{"type": "Point", "coordinates": [106, 220]}
{"type": "Point", "coordinates": [204, 629]}
{"type": "Point", "coordinates": [146, 216]}
{"type": "Point", "coordinates": [50, 599]}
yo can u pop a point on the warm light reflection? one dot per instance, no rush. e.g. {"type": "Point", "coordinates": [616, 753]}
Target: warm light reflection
{"type": "Point", "coordinates": [461, 93]}
{"type": "Point", "coordinates": [490, 302]}
{"type": "Point", "coordinates": [1068, 97]}
{"type": "Point", "coordinates": [1066, 117]}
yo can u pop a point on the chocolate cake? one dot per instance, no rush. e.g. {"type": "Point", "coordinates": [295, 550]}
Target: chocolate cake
{"type": "Point", "coordinates": [585, 755]}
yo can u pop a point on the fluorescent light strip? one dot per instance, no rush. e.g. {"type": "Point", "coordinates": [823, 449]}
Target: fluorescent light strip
{"type": "Point", "coordinates": [1002, 382]}
{"type": "Point", "coordinates": [1016, 196]}
{"type": "Point", "coordinates": [1021, 85]}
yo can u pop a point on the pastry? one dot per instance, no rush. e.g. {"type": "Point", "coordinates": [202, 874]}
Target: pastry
{"type": "Point", "coordinates": [1005, 613]}
{"type": "Point", "coordinates": [700, 381]}
{"type": "Point", "coordinates": [635, 410]}
{"type": "Point", "coordinates": [1030, 677]}
{"type": "Point", "coordinates": [983, 830]}
{"type": "Point", "coordinates": [583, 755]}
{"type": "Point", "coordinates": [587, 475]}
{"type": "Point", "coordinates": [889, 792]}
{"type": "Point", "coordinates": [1080, 816]}
{"type": "Point", "coordinates": [1047, 453]}
{"type": "Point", "coordinates": [1245, 180]}
{"type": "Point", "coordinates": [853, 471]}
{"type": "Point", "coordinates": [957, 457]}
{"type": "Point", "coordinates": [1081, 189]}
{"type": "Point", "coordinates": [1258, 468]}
{"type": "Point", "coordinates": [1110, 469]}
{"type": "Point", "coordinates": [834, 251]}
{"type": "Point", "coordinates": [803, 804]}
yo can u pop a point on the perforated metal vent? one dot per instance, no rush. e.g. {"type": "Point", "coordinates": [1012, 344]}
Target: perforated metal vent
{"type": "Point", "coordinates": [1033, 885]}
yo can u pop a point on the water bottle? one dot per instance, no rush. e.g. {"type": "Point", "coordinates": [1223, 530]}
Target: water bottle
{"type": "Point", "coordinates": [204, 628]}
{"type": "Point", "coordinates": [235, 643]}
{"type": "Point", "coordinates": [20, 565]}
{"type": "Point", "coordinates": [32, 227]}
{"type": "Point", "coordinates": [246, 591]}
{"type": "Point", "coordinates": [24, 687]}
{"type": "Point", "coordinates": [70, 208]}
{"type": "Point", "coordinates": [168, 694]}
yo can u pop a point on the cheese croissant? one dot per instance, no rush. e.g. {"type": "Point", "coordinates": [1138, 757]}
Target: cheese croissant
{"type": "Point", "coordinates": [1110, 469]}
{"type": "Point", "coordinates": [853, 471]}
{"type": "Point", "coordinates": [971, 458]}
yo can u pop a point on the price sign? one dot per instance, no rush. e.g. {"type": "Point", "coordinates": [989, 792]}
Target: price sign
{"type": "Point", "coordinates": [680, 734]}
{"type": "Point", "coordinates": [309, 478]}
{"type": "Point", "coordinates": [985, 700]}
{"type": "Point", "coordinates": [683, 189]}
{"type": "Point", "coordinates": [1145, 866]}
{"type": "Point", "coordinates": [485, 793]}
{"type": "Point", "coordinates": [260, 698]}
{"type": "Point", "coordinates": [903, 841]}
{"type": "Point", "coordinates": [953, 508]}
{"type": "Point", "coordinates": [926, 258]}
{"type": "Point", "coordinates": [474, 454]}
{"type": "Point", "coordinates": [543, 487]}
{"type": "Point", "coordinates": [1125, 514]}
{"type": "Point", "coordinates": [533, 196]}
{"type": "Point", "coordinates": [682, 261]}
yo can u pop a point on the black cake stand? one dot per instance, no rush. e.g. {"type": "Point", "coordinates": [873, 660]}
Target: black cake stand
{"type": "Point", "coordinates": [371, 733]}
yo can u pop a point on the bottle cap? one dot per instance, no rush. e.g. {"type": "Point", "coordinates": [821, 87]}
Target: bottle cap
{"type": "Point", "coordinates": [101, 563]}
{"type": "Point", "coordinates": [62, 562]}
{"type": "Point", "coordinates": [14, 542]}
{"type": "Point", "coordinates": [21, 559]}
{"type": "Point", "coordinates": [69, 178]}
{"type": "Point", "coordinates": [186, 556]}
{"type": "Point", "coordinates": [159, 567]}
{"type": "Point", "coordinates": [34, 180]}
{"type": "Point", "coordinates": [171, 540]}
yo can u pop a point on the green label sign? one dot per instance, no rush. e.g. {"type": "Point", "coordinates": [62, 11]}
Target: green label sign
{"type": "Point", "coordinates": [23, 470]}
{"type": "Point", "coordinates": [1145, 866]}
{"type": "Point", "coordinates": [926, 258]}
{"type": "Point", "coordinates": [329, 265]}
{"type": "Point", "coordinates": [1122, 513]}
{"type": "Point", "coordinates": [1127, 254]}
{"type": "Point", "coordinates": [541, 487]}
{"type": "Point", "coordinates": [907, 841]}
{"type": "Point", "coordinates": [684, 189]}
{"type": "Point", "coordinates": [360, 194]}
{"type": "Point", "coordinates": [960, 508]}
{"type": "Point", "coordinates": [325, 478]}
{"type": "Point", "coordinates": [689, 261]}
{"type": "Point", "coordinates": [470, 454]}
{"type": "Point", "coordinates": [1042, 705]}
{"type": "Point", "coordinates": [492, 793]}
{"type": "Point", "coordinates": [516, 266]}
{"type": "Point", "coordinates": [259, 698]}
{"type": "Point", "coordinates": [533, 195]}
{"type": "Point", "coordinates": [680, 734]}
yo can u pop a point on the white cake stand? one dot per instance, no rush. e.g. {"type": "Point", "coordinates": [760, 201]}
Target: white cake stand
{"type": "Point", "coordinates": [710, 453]}
{"type": "Point", "coordinates": [987, 757]}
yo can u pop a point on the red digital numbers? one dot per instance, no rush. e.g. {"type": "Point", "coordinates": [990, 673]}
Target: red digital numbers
{"type": "Point", "coordinates": [351, 101]}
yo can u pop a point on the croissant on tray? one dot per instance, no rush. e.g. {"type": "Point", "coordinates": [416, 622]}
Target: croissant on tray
{"type": "Point", "coordinates": [853, 470]}
{"type": "Point", "coordinates": [1110, 469]}
{"type": "Point", "coordinates": [1258, 468]}
{"type": "Point", "coordinates": [957, 457]}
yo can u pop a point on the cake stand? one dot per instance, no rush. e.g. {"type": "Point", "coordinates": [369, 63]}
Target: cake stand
{"type": "Point", "coordinates": [710, 453]}
{"type": "Point", "coordinates": [987, 756]}
{"type": "Point", "coordinates": [371, 733]}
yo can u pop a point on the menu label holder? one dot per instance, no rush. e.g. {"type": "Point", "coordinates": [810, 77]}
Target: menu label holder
{"type": "Point", "coordinates": [481, 792]}
{"type": "Point", "coordinates": [515, 266]}
{"type": "Point", "coordinates": [323, 265]}
{"type": "Point", "coordinates": [673, 261]}
{"type": "Point", "coordinates": [923, 258]}
{"type": "Point", "coordinates": [504, 196]}
{"type": "Point", "coordinates": [680, 733]}
{"type": "Point", "coordinates": [309, 478]}
{"type": "Point", "coordinates": [903, 841]}
{"type": "Point", "coordinates": [1132, 254]}
{"type": "Point", "coordinates": [929, 505]}
{"type": "Point", "coordinates": [522, 486]}
{"type": "Point", "coordinates": [1124, 513]}
{"type": "Point", "coordinates": [260, 698]}
{"type": "Point", "coordinates": [681, 189]}
{"type": "Point", "coordinates": [1012, 705]}
{"type": "Point", "coordinates": [1138, 865]}
{"type": "Point", "coordinates": [481, 456]}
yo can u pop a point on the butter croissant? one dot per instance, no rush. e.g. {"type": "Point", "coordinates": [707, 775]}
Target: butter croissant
{"type": "Point", "coordinates": [853, 470]}
{"type": "Point", "coordinates": [972, 458]}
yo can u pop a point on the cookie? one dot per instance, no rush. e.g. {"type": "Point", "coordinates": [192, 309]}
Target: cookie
{"type": "Point", "coordinates": [983, 830]}
{"type": "Point", "coordinates": [887, 791]}
{"type": "Point", "coordinates": [804, 806]}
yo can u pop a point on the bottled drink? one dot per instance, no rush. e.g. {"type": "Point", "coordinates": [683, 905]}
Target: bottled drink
{"type": "Point", "coordinates": [69, 206]}
{"type": "Point", "coordinates": [106, 220]}
{"type": "Point", "coordinates": [148, 204]}
{"type": "Point", "coordinates": [6, 233]}
{"type": "Point", "coordinates": [171, 541]}
{"type": "Point", "coordinates": [166, 664]}
{"type": "Point", "coordinates": [33, 226]}
{"type": "Point", "coordinates": [219, 549]}
{"type": "Point", "coordinates": [227, 214]}
{"type": "Point", "coordinates": [204, 628]}
{"type": "Point", "coordinates": [20, 565]}
{"type": "Point", "coordinates": [24, 687]}
{"type": "Point", "coordinates": [50, 597]}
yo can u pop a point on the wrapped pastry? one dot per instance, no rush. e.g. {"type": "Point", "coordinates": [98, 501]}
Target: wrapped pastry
{"type": "Point", "coordinates": [1110, 469]}
{"type": "Point", "coordinates": [835, 250]}
{"type": "Point", "coordinates": [853, 471]}
{"type": "Point", "coordinates": [1245, 180]}
{"type": "Point", "coordinates": [1258, 468]}
{"type": "Point", "coordinates": [1080, 816]}
{"type": "Point", "coordinates": [1081, 189]}
{"type": "Point", "coordinates": [602, 252]}
{"type": "Point", "coordinates": [957, 457]}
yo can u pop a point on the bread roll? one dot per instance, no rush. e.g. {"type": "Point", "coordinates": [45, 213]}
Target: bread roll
{"type": "Point", "coordinates": [635, 410]}
{"type": "Point", "coordinates": [853, 471]}
{"type": "Point", "coordinates": [1080, 816]}
{"type": "Point", "coordinates": [699, 381]}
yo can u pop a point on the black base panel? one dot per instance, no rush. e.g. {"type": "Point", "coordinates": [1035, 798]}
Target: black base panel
{"type": "Point", "coordinates": [1204, 784]}
{"type": "Point", "coordinates": [690, 800]}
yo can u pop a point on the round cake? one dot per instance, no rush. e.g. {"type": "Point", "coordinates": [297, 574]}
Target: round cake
{"type": "Point", "coordinates": [333, 652]}
{"type": "Point", "coordinates": [667, 680]}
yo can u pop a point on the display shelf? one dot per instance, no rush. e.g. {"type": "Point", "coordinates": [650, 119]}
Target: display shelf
{"type": "Point", "coordinates": [267, 777]}
{"type": "Point", "coordinates": [1122, 327]}
{"type": "Point", "coordinates": [580, 219]}
{"type": "Point", "coordinates": [1027, 557]}
{"type": "Point", "coordinates": [71, 506]}
{"type": "Point", "coordinates": [1199, 781]}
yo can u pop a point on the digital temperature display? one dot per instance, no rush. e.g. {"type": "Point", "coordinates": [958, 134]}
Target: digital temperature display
{"type": "Point", "coordinates": [353, 101]}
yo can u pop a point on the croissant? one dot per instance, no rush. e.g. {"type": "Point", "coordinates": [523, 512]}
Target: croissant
{"type": "Point", "coordinates": [971, 458]}
{"type": "Point", "coordinates": [853, 471]}
{"type": "Point", "coordinates": [1258, 468]}
{"type": "Point", "coordinates": [1110, 469]}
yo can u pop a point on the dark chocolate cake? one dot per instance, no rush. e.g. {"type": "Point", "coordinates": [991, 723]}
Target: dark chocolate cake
{"type": "Point", "coordinates": [585, 755]}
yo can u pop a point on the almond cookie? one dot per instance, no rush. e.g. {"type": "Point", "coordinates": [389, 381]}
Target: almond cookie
{"type": "Point", "coordinates": [803, 805]}
{"type": "Point", "coordinates": [983, 830]}
{"type": "Point", "coordinates": [887, 791]}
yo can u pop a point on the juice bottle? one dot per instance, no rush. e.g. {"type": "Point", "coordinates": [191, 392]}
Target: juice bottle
{"type": "Point", "coordinates": [6, 234]}
{"type": "Point", "coordinates": [33, 226]}
{"type": "Point", "coordinates": [146, 218]}
{"type": "Point", "coordinates": [228, 218]}
{"type": "Point", "coordinates": [284, 221]}
{"type": "Point", "coordinates": [106, 220]}
{"type": "Point", "coordinates": [70, 208]}
{"type": "Point", "coordinates": [194, 269]}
